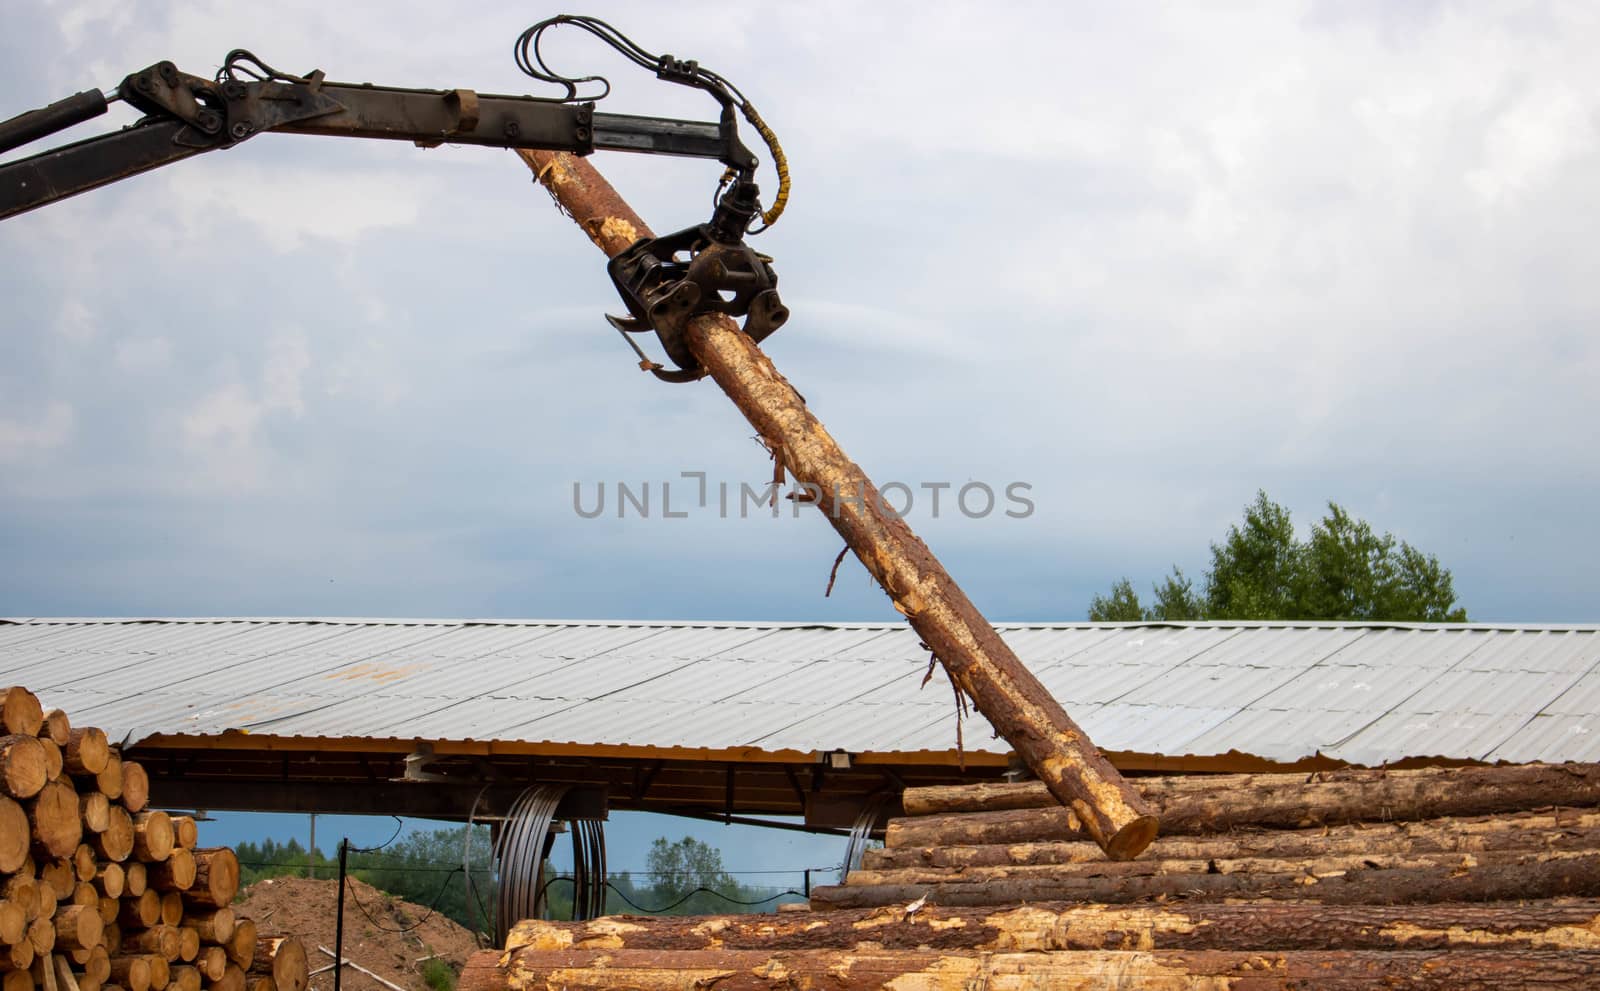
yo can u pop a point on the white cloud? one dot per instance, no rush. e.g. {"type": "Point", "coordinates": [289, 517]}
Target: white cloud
{"type": "Point", "coordinates": [222, 429]}
{"type": "Point", "coordinates": [43, 431]}
{"type": "Point", "coordinates": [75, 322]}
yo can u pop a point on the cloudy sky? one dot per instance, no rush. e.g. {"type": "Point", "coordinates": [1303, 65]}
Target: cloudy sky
{"type": "Point", "coordinates": [1144, 261]}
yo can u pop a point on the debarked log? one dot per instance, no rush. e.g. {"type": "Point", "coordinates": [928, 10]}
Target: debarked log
{"type": "Point", "coordinates": [1567, 877]}
{"type": "Point", "coordinates": [1209, 803]}
{"type": "Point", "coordinates": [1572, 924]}
{"type": "Point", "coordinates": [977, 660]}
{"type": "Point", "coordinates": [1318, 867]}
{"type": "Point", "coordinates": [1532, 831]}
{"type": "Point", "coordinates": [930, 970]}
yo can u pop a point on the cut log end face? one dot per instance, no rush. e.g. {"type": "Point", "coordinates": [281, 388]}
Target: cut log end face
{"type": "Point", "coordinates": [135, 786]}
{"type": "Point", "coordinates": [87, 751]}
{"type": "Point", "coordinates": [24, 768]}
{"type": "Point", "coordinates": [57, 821]}
{"type": "Point", "coordinates": [16, 836]}
{"type": "Point", "coordinates": [21, 712]}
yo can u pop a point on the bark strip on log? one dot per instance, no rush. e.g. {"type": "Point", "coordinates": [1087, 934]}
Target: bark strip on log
{"type": "Point", "coordinates": [975, 656]}
{"type": "Point", "coordinates": [847, 970]}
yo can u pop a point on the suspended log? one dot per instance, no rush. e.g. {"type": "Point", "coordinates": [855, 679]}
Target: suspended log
{"type": "Point", "coordinates": [87, 751]}
{"type": "Point", "coordinates": [23, 768]}
{"type": "Point", "coordinates": [974, 655]}
{"type": "Point", "coordinates": [846, 970]}
{"type": "Point", "coordinates": [216, 878]}
{"type": "Point", "coordinates": [1198, 803]}
{"type": "Point", "coordinates": [1573, 925]}
{"type": "Point", "coordinates": [57, 822]}
{"type": "Point", "coordinates": [20, 712]}
{"type": "Point", "coordinates": [1524, 832]}
{"type": "Point", "coordinates": [1574, 877]}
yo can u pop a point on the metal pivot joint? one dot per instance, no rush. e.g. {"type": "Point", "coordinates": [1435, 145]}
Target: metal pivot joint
{"type": "Point", "coordinates": [668, 281]}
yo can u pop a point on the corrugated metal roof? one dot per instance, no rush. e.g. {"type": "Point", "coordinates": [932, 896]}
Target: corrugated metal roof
{"type": "Point", "coordinates": [1367, 694]}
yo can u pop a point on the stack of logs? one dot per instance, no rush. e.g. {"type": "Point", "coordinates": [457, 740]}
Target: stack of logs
{"type": "Point", "coordinates": [100, 893]}
{"type": "Point", "coordinates": [1444, 878]}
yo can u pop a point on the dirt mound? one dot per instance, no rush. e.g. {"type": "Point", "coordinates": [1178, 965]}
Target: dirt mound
{"type": "Point", "coordinates": [381, 932]}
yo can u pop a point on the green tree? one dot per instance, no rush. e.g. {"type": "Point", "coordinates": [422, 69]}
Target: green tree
{"type": "Point", "coordinates": [1344, 570]}
{"type": "Point", "coordinates": [679, 870]}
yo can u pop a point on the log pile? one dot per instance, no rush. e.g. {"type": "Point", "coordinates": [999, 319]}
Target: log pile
{"type": "Point", "coordinates": [1442, 878]}
{"type": "Point", "coordinates": [99, 892]}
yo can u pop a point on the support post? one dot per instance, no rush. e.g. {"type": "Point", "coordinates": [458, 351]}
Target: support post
{"type": "Point", "coordinates": [978, 661]}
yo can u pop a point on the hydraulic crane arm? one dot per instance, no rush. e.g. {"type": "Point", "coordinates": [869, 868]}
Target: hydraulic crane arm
{"type": "Point", "coordinates": [187, 115]}
{"type": "Point", "coordinates": [665, 282]}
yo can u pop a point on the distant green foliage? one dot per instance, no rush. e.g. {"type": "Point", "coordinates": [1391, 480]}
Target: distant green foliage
{"type": "Point", "coordinates": [1260, 571]}
{"type": "Point", "coordinates": [424, 866]}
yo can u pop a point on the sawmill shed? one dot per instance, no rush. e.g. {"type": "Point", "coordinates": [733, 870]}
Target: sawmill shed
{"type": "Point", "coordinates": [771, 718]}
